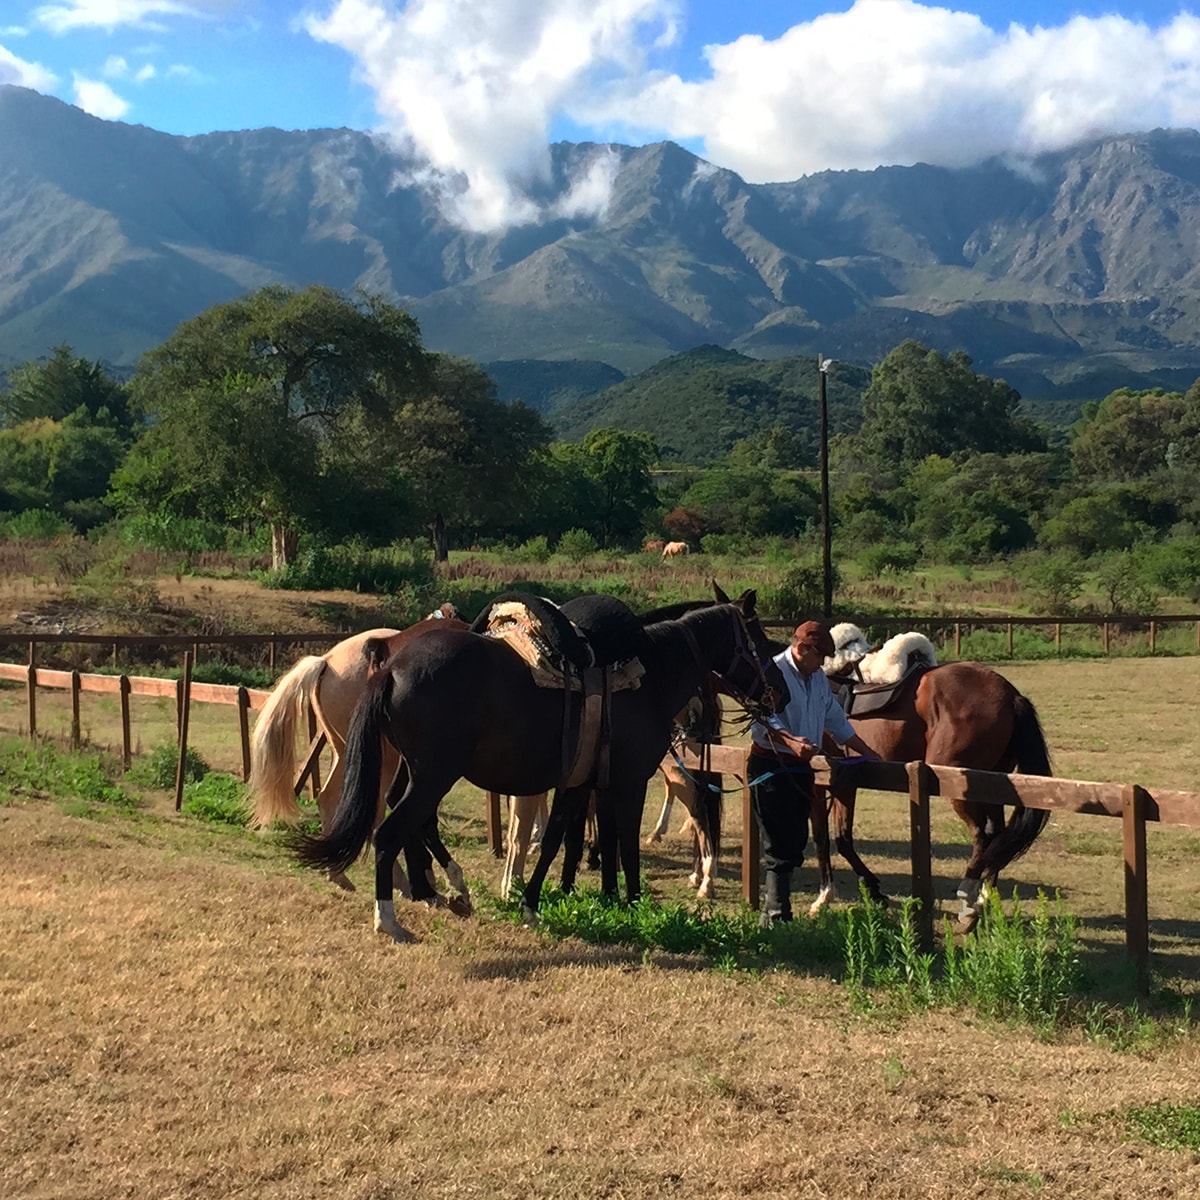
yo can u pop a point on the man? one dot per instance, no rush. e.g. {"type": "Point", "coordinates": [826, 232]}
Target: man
{"type": "Point", "coordinates": [783, 780]}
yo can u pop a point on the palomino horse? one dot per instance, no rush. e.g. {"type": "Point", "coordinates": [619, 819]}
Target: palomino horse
{"type": "Point", "coordinates": [674, 549]}
{"type": "Point", "coordinates": [330, 684]}
{"type": "Point", "coordinates": [459, 705]}
{"type": "Point", "coordinates": [959, 714]}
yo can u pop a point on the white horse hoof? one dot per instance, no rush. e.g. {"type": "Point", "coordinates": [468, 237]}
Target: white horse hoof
{"type": "Point", "coordinates": [386, 923]}
{"type": "Point", "coordinates": [653, 838]}
{"type": "Point", "coordinates": [694, 879]}
{"type": "Point", "coordinates": [823, 898]}
{"type": "Point", "coordinates": [529, 917]}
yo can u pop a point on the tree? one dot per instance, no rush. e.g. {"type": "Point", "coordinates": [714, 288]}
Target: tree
{"type": "Point", "coordinates": [61, 386]}
{"type": "Point", "coordinates": [463, 453]}
{"type": "Point", "coordinates": [247, 397]}
{"type": "Point", "coordinates": [921, 403]}
{"type": "Point", "coordinates": [617, 463]}
{"type": "Point", "coordinates": [753, 503]}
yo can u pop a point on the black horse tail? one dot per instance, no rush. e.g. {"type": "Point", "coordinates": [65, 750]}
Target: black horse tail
{"type": "Point", "coordinates": [1027, 749]}
{"type": "Point", "coordinates": [354, 819]}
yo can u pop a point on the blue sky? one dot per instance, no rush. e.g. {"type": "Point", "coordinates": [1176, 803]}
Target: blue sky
{"type": "Point", "coordinates": [475, 89]}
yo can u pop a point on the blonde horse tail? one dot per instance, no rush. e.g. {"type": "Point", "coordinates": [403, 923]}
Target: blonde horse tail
{"type": "Point", "coordinates": [273, 744]}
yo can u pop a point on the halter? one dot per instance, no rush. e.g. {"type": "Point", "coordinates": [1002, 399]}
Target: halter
{"type": "Point", "coordinates": [744, 654]}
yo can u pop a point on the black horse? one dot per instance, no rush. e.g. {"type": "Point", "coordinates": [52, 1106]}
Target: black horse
{"type": "Point", "coordinates": [457, 705]}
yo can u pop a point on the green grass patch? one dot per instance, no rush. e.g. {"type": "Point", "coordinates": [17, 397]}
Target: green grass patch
{"type": "Point", "coordinates": [217, 798]}
{"type": "Point", "coordinates": [1171, 1126]}
{"type": "Point", "coordinates": [39, 769]}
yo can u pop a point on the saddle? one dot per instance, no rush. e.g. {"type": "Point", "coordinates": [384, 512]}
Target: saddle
{"type": "Point", "coordinates": [589, 645]}
{"type": "Point", "coordinates": [874, 699]}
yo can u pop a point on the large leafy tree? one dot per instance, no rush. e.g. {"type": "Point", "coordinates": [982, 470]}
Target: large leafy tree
{"type": "Point", "coordinates": [247, 399]}
{"type": "Point", "coordinates": [617, 463]}
{"type": "Point", "coordinates": [920, 402]}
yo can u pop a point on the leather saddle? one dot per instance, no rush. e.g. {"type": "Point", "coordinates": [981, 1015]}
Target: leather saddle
{"type": "Point", "coordinates": [867, 700]}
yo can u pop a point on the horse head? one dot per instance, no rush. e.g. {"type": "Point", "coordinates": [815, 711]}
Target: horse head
{"type": "Point", "coordinates": [753, 678]}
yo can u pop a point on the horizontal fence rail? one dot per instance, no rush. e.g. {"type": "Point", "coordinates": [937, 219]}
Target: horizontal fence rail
{"type": "Point", "coordinates": [1133, 804]}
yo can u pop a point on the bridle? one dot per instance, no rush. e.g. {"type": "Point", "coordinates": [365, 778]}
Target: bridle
{"type": "Point", "coordinates": [757, 696]}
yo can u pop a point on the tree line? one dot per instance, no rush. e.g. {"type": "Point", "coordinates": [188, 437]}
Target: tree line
{"type": "Point", "coordinates": [308, 415]}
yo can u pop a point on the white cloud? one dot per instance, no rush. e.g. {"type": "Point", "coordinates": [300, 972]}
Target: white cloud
{"type": "Point", "coordinates": [25, 74]}
{"type": "Point", "coordinates": [99, 99]}
{"type": "Point", "coordinates": [70, 15]}
{"type": "Point", "coordinates": [590, 192]}
{"type": "Point", "coordinates": [472, 86]}
{"type": "Point", "coordinates": [892, 81]}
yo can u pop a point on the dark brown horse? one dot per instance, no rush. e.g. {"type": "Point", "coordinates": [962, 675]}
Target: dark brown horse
{"type": "Point", "coordinates": [955, 715]}
{"type": "Point", "coordinates": [458, 705]}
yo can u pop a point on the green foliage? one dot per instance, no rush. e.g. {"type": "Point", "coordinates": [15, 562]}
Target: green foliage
{"type": "Point", "coordinates": [1171, 1126]}
{"type": "Point", "coordinates": [920, 403]}
{"type": "Point", "coordinates": [533, 550]}
{"type": "Point", "coordinates": [1056, 580]}
{"type": "Point", "coordinates": [170, 533]}
{"type": "Point", "coordinates": [219, 799]}
{"type": "Point", "coordinates": [1125, 585]}
{"type": "Point", "coordinates": [576, 545]}
{"type": "Point", "coordinates": [66, 775]}
{"type": "Point", "coordinates": [34, 524]}
{"type": "Point", "coordinates": [357, 568]}
{"type": "Point", "coordinates": [800, 591]}
{"type": "Point", "coordinates": [157, 769]}
{"type": "Point", "coordinates": [754, 503]}
{"type": "Point", "coordinates": [887, 558]}
{"type": "Point", "coordinates": [1115, 517]}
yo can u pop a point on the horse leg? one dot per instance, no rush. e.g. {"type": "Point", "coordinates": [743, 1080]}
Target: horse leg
{"type": "Point", "coordinates": [843, 836]}
{"type": "Point", "coordinates": [551, 841]}
{"type": "Point", "coordinates": [593, 835]}
{"type": "Point", "coordinates": [819, 814]}
{"type": "Point", "coordinates": [459, 904]}
{"type": "Point", "coordinates": [626, 807]}
{"type": "Point", "coordinates": [608, 844]}
{"type": "Point", "coordinates": [522, 810]}
{"type": "Point", "coordinates": [664, 817]}
{"type": "Point", "coordinates": [573, 839]}
{"type": "Point", "coordinates": [410, 814]}
{"type": "Point", "coordinates": [972, 888]}
{"type": "Point", "coordinates": [327, 802]}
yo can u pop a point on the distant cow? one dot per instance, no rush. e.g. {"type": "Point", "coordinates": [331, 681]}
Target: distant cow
{"type": "Point", "coordinates": [655, 547]}
{"type": "Point", "coordinates": [672, 549]}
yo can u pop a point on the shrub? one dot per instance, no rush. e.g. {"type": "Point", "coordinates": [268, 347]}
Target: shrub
{"type": "Point", "coordinates": [34, 524]}
{"type": "Point", "coordinates": [217, 798]}
{"type": "Point", "coordinates": [1055, 580]}
{"type": "Point", "coordinates": [357, 568]}
{"type": "Point", "coordinates": [800, 591]}
{"type": "Point", "coordinates": [157, 769]}
{"type": "Point", "coordinates": [577, 544]}
{"type": "Point", "coordinates": [887, 557]}
{"type": "Point", "coordinates": [535, 550]}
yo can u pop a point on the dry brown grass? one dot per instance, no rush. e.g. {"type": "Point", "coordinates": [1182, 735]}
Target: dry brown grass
{"type": "Point", "coordinates": [182, 1014]}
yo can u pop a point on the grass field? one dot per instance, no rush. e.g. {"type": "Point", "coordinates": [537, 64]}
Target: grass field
{"type": "Point", "coordinates": [185, 1014]}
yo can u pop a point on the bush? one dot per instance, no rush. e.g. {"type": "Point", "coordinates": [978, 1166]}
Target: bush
{"type": "Point", "coordinates": [357, 568]}
{"type": "Point", "coordinates": [33, 525]}
{"type": "Point", "coordinates": [577, 544]}
{"type": "Point", "coordinates": [217, 798]}
{"type": "Point", "coordinates": [800, 592]}
{"type": "Point", "coordinates": [1055, 580]}
{"type": "Point", "coordinates": [535, 550]}
{"type": "Point", "coordinates": [157, 769]}
{"type": "Point", "coordinates": [735, 545]}
{"type": "Point", "coordinates": [171, 534]}
{"type": "Point", "coordinates": [887, 557]}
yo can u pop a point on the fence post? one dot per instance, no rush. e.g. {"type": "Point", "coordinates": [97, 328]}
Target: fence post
{"type": "Point", "coordinates": [1137, 914]}
{"type": "Point", "coordinates": [922, 863]}
{"type": "Point", "coordinates": [1057, 637]}
{"type": "Point", "coordinates": [126, 739]}
{"type": "Point", "coordinates": [1010, 652]}
{"type": "Point", "coordinates": [750, 842]}
{"type": "Point", "coordinates": [76, 735]}
{"type": "Point", "coordinates": [495, 834]}
{"type": "Point", "coordinates": [243, 707]}
{"type": "Point", "coordinates": [957, 640]}
{"type": "Point", "coordinates": [32, 687]}
{"type": "Point", "coordinates": [1104, 636]}
{"type": "Point", "coordinates": [1153, 635]}
{"type": "Point", "coordinates": [185, 697]}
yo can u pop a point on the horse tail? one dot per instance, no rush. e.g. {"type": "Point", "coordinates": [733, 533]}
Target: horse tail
{"type": "Point", "coordinates": [273, 744]}
{"type": "Point", "coordinates": [1027, 750]}
{"type": "Point", "coordinates": [354, 820]}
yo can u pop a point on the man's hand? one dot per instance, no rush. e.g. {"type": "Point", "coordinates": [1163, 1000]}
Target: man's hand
{"type": "Point", "coordinates": [789, 743]}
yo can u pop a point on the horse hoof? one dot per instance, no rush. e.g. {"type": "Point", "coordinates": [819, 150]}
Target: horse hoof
{"type": "Point", "coordinates": [653, 838]}
{"type": "Point", "coordinates": [529, 916]}
{"type": "Point", "coordinates": [967, 920]}
{"type": "Point", "coordinates": [460, 906]}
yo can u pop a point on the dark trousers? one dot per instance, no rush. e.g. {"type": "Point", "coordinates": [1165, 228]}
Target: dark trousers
{"type": "Point", "coordinates": [782, 798]}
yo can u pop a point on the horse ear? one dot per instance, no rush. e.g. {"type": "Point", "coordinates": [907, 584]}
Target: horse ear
{"type": "Point", "coordinates": [720, 595]}
{"type": "Point", "coordinates": [746, 602]}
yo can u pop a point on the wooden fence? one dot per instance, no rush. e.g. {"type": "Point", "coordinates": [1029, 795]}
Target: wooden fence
{"type": "Point", "coordinates": [1133, 804]}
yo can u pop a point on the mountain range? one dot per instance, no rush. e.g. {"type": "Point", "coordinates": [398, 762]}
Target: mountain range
{"type": "Point", "coordinates": [1067, 275]}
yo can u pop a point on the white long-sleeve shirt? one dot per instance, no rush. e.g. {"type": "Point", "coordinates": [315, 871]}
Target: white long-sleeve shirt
{"type": "Point", "coordinates": [811, 708]}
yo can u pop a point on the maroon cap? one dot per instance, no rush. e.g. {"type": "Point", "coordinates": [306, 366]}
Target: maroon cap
{"type": "Point", "coordinates": [817, 635]}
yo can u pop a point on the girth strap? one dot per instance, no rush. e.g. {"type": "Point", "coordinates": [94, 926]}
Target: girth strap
{"type": "Point", "coordinates": [591, 750]}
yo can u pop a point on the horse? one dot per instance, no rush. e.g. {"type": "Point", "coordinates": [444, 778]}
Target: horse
{"type": "Point", "coordinates": [458, 705]}
{"type": "Point", "coordinates": [330, 684]}
{"type": "Point", "coordinates": [960, 714]}
{"type": "Point", "coordinates": [674, 549]}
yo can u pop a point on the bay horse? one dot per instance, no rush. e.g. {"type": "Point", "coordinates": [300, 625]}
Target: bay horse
{"type": "Point", "coordinates": [330, 685]}
{"type": "Point", "coordinates": [960, 714]}
{"type": "Point", "coordinates": [458, 705]}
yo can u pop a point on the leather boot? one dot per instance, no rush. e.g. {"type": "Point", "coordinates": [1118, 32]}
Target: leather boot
{"type": "Point", "coordinates": [777, 906]}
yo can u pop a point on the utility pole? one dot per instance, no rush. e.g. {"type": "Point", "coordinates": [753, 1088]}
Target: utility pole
{"type": "Point", "coordinates": [823, 365]}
